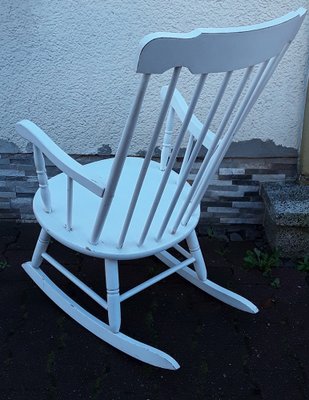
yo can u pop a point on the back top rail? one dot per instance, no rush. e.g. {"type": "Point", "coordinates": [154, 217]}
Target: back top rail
{"type": "Point", "coordinates": [217, 49]}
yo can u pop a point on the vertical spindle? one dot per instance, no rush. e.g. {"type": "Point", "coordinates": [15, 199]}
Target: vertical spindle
{"type": "Point", "coordinates": [167, 140]}
{"type": "Point", "coordinates": [69, 203]}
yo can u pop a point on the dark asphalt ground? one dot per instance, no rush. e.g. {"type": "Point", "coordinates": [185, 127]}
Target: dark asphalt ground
{"type": "Point", "coordinates": [224, 353]}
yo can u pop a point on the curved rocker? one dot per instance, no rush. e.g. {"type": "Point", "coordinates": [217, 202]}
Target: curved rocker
{"type": "Point", "coordinates": [214, 290]}
{"type": "Point", "coordinates": [124, 343]}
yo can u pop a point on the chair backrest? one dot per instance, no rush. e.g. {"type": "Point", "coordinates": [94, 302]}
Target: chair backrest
{"type": "Point", "coordinates": [254, 50]}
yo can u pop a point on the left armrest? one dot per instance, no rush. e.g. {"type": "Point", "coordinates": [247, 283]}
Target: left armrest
{"type": "Point", "coordinates": [60, 158]}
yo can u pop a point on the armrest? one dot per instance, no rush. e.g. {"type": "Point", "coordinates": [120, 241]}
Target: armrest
{"type": "Point", "coordinates": [195, 126]}
{"type": "Point", "coordinates": [55, 154]}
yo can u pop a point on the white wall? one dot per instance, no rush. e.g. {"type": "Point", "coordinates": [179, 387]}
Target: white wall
{"type": "Point", "coordinates": [68, 66]}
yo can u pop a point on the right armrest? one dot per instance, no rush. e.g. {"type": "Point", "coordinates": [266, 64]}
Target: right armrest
{"type": "Point", "coordinates": [195, 126]}
{"type": "Point", "coordinates": [56, 155]}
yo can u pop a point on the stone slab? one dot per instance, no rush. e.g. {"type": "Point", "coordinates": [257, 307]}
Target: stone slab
{"type": "Point", "coordinates": [287, 203]}
{"type": "Point", "coordinates": [286, 218]}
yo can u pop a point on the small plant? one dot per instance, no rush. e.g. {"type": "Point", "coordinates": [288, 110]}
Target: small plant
{"type": "Point", "coordinates": [50, 362]}
{"type": "Point", "coordinates": [275, 283]}
{"type": "Point", "coordinates": [210, 232]}
{"type": "Point", "coordinates": [3, 265]}
{"type": "Point", "coordinates": [264, 262]}
{"type": "Point", "coordinates": [222, 251]}
{"type": "Point", "coordinates": [303, 265]}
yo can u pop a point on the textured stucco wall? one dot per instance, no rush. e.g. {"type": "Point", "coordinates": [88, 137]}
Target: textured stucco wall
{"type": "Point", "coordinates": [68, 66]}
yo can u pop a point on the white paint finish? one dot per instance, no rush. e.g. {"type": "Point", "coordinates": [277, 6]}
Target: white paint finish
{"type": "Point", "coordinates": [217, 50]}
{"type": "Point", "coordinates": [120, 341]}
{"type": "Point", "coordinates": [156, 278]}
{"type": "Point", "coordinates": [121, 153]}
{"type": "Point", "coordinates": [86, 289]}
{"type": "Point", "coordinates": [43, 144]}
{"type": "Point", "coordinates": [150, 151]}
{"type": "Point", "coordinates": [113, 297]}
{"type": "Point", "coordinates": [195, 250]}
{"type": "Point", "coordinates": [42, 178]}
{"type": "Point", "coordinates": [194, 125]}
{"type": "Point", "coordinates": [40, 248]}
{"type": "Point", "coordinates": [167, 139]}
{"type": "Point", "coordinates": [217, 291]}
{"type": "Point", "coordinates": [71, 65]}
{"type": "Point", "coordinates": [83, 217]}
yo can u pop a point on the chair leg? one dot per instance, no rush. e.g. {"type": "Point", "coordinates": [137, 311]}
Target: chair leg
{"type": "Point", "coordinates": [41, 247]}
{"type": "Point", "coordinates": [195, 250]}
{"type": "Point", "coordinates": [113, 297]}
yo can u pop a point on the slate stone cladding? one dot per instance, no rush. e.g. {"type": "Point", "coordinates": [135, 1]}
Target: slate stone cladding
{"type": "Point", "coordinates": [232, 204]}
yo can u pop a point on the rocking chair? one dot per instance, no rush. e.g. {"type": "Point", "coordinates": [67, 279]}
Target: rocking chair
{"type": "Point", "coordinates": [127, 208]}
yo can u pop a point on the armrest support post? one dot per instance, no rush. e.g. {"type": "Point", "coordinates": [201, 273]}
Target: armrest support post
{"type": "Point", "coordinates": [167, 139]}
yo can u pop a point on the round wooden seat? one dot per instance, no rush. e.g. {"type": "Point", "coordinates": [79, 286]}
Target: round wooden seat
{"type": "Point", "coordinates": [86, 204]}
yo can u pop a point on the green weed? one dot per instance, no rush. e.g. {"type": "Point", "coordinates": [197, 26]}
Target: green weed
{"type": "Point", "coordinates": [223, 251]}
{"type": "Point", "coordinates": [51, 362]}
{"type": "Point", "coordinates": [264, 262]}
{"type": "Point", "coordinates": [98, 387]}
{"type": "Point", "coordinates": [303, 265]}
{"type": "Point", "coordinates": [210, 232]}
{"type": "Point", "coordinates": [275, 283]}
{"type": "Point", "coordinates": [204, 367]}
{"type": "Point", "coordinates": [3, 265]}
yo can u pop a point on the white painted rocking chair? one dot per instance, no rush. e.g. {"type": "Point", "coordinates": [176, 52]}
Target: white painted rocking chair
{"type": "Point", "coordinates": [127, 207]}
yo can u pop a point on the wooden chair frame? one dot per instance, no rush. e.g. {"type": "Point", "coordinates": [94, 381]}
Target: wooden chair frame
{"type": "Point", "coordinates": [172, 213]}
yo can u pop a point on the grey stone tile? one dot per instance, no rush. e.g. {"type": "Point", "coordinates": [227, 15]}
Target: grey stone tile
{"type": "Point", "coordinates": [248, 204]}
{"type": "Point", "coordinates": [21, 202]}
{"type": "Point", "coordinates": [11, 172]}
{"type": "Point", "coordinates": [5, 205]}
{"type": "Point", "coordinates": [28, 187]}
{"type": "Point", "coordinates": [7, 195]}
{"type": "Point", "coordinates": [268, 177]}
{"type": "Point", "coordinates": [241, 220]}
{"type": "Point", "coordinates": [231, 171]}
{"type": "Point", "coordinates": [221, 210]}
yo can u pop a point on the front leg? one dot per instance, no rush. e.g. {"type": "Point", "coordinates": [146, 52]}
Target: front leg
{"type": "Point", "coordinates": [113, 297]}
{"type": "Point", "coordinates": [41, 247]}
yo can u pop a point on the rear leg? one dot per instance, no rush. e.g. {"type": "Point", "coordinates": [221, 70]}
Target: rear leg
{"type": "Point", "coordinates": [195, 250]}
